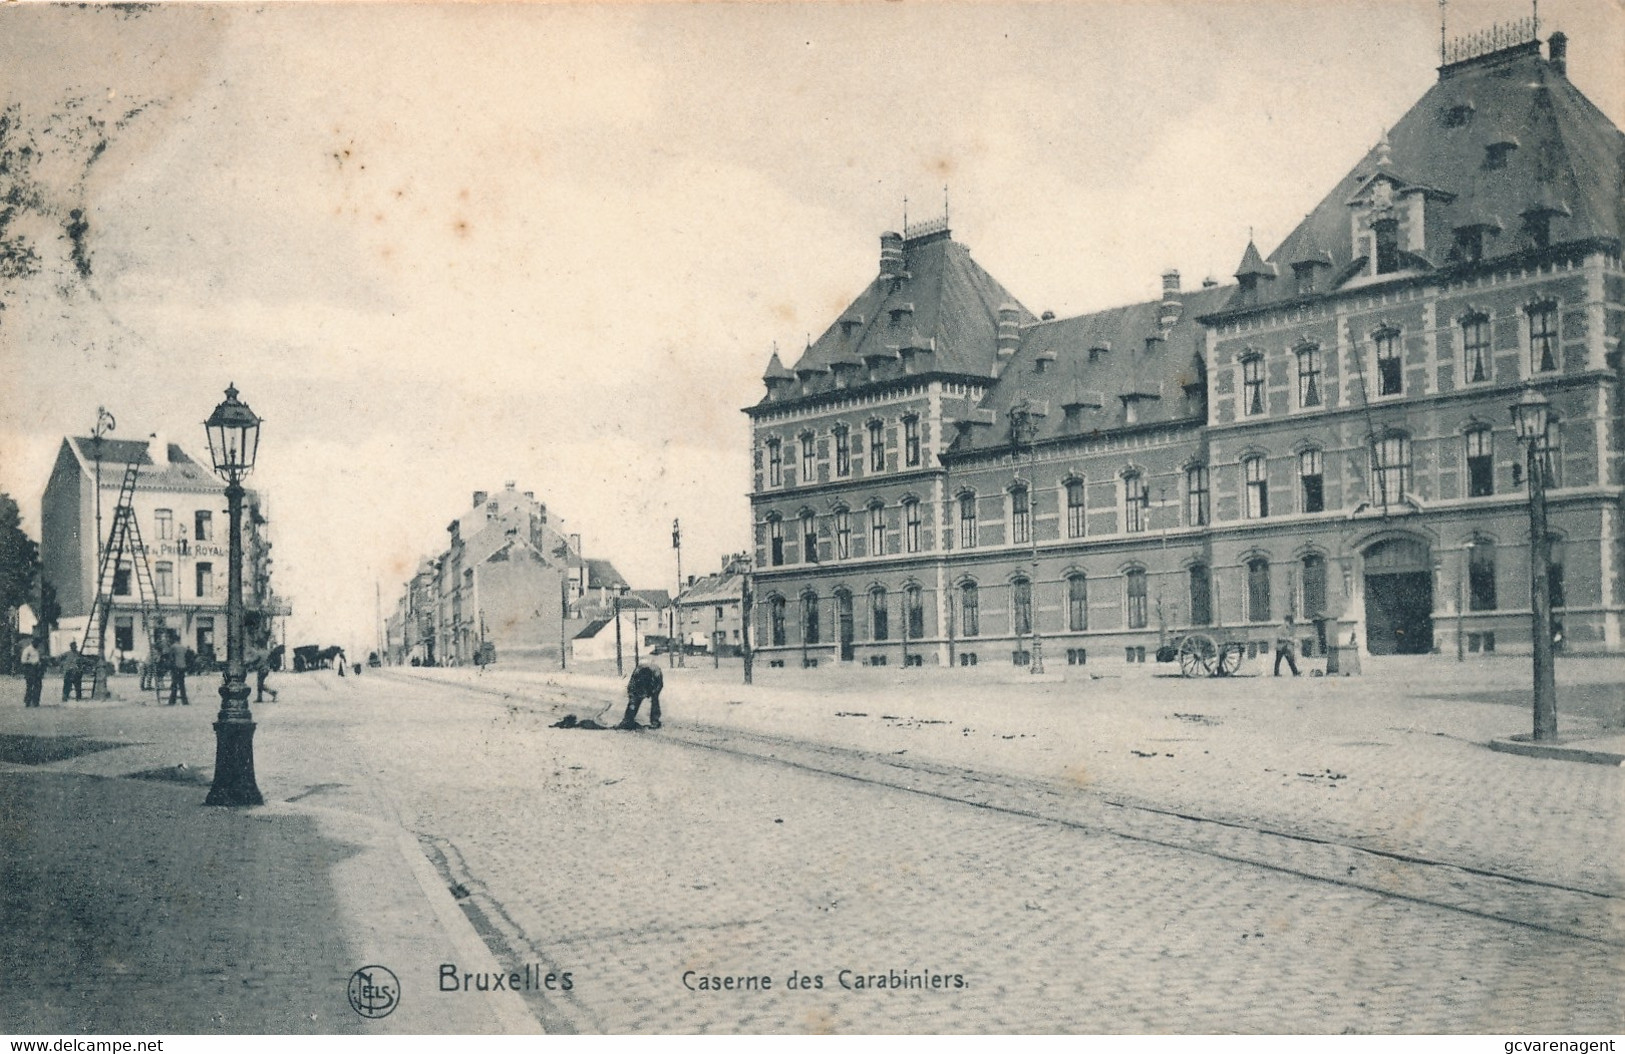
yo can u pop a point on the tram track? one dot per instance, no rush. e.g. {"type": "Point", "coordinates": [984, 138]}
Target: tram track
{"type": "Point", "coordinates": [1572, 911]}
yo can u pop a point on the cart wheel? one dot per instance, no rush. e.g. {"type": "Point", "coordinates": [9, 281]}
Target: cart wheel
{"type": "Point", "coordinates": [1197, 653]}
{"type": "Point", "coordinates": [1229, 660]}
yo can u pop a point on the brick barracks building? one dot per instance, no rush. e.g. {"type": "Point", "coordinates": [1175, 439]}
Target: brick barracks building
{"type": "Point", "coordinates": [1328, 436]}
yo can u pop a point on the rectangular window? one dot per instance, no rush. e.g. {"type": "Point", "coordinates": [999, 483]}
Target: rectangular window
{"type": "Point", "coordinates": [1475, 342]}
{"type": "Point", "coordinates": [1312, 481]}
{"type": "Point", "coordinates": [843, 452]}
{"type": "Point", "coordinates": [775, 463]}
{"type": "Point", "coordinates": [776, 613]}
{"type": "Point", "coordinates": [121, 581]}
{"type": "Point", "coordinates": [877, 446]}
{"type": "Point", "coordinates": [809, 540]}
{"type": "Point", "coordinates": [775, 535]}
{"type": "Point", "coordinates": [124, 633]}
{"type": "Point", "coordinates": [1252, 385]}
{"type": "Point", "coordinates": [970, 614]}
{"type": "Point", "coordinates": [1543, 338]}
{"type": "Point", "coordinates": [1201, 596]}
{"type": "Point", "coordinates": [1308, 377]}
{"type": "Point", "coordinates": [1390, 371]}
{"type": "Point", "coordinates": [1020, 517]}
{"type": "Point", "coordinates": [914, 600]}
{"type": "Point", "coordinates": [809, 450]}
{"type": "Point", "coordinates": [1554, 576]}
{"type": "Point", "coordinates": [1481, 576]}
{"type": "Point", "coordinates": [1258, 488]}
{"type": "Point", "coordinates": [205, 636]}
{"type": "Point", "coordinates": [1258, 590]}
{"type": "Point", "coordinates": [809, 619]}
{"type": "Point", "coordinates": [1077, 603]}
{"type": "Point", "coordinates": [205, 580]}
{"type": "Point", "coordinates": [1074, 508]}
{"type": "Point", "coordinates": [1136, 503]}
{"type": "Point", "coordinates": [843, 534]}
{"type": "Point", "coordinates": [1480, 463]}
{"type": "Point", "coordinates": [1137, 614]}
{"type": "Point", "coordinates": [1314, 585]}
{"type": "Point", "coordinates": [163, 578]}
{"type": "Point", "coordinates": [1196, 499]}
{"type": "Point", "coordinates": [166, 524]}
{"type": "Point", "coordinates": [204, 527]}
{"type": "Point", "coordinates": [877, 531]}
{"type": "Point", "coordinates": [878, 621]}
{"type": "Point", "coordinates": [911, 440]}
{"type": "Point", "coordinates": [911, 519]}
{"type": "Point", "coordinates": [967, 521]}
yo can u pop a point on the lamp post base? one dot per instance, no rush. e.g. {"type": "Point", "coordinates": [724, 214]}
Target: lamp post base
{"type": "Point", "coordinates": [234, 765]}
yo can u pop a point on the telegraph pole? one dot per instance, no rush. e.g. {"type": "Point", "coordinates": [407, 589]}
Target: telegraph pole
{"type": "Point", "coordinates": [676, 642]}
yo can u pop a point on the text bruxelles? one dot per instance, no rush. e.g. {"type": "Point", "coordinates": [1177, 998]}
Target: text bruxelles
{"type": "Point", "coordinates": [530, 979]}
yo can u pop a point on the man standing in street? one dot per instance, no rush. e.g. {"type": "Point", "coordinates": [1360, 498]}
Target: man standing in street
{"type": "Point", "coordinates": [1285, 644]}
{"type": "Point", "coordinates": [73, 673]}
{"type": "Point", "coordinates": [33, 673]}
{"type": "Point", "coordinates": [177, 670]}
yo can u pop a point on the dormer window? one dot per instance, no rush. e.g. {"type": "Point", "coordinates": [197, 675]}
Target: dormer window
{"type": "Point", "coordinates": [1385, 232]}
{"type": "Point", "coordinates": [1099, 350]}
{"type": "Point", "coordinates": [1470, 244]}
{"type": "Point", "coordinates": [850, 326]}
{"type": "Point", "coordinates": [1457, 116]}
{"type": "Point", "coordinates": [1496, 154]}
{"type": "Point", "coordinates": [1303, 277]}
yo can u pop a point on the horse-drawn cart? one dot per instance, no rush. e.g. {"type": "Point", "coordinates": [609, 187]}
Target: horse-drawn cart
{"type": "Point", "coordinates": [1199, 654]}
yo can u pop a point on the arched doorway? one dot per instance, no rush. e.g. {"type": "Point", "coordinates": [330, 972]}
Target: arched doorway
{"type": "Point", "coordinates": [1399, 597]}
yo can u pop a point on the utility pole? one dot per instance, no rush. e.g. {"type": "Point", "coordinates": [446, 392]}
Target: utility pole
{"type": "Point", "coordinates": [676, 642]}
{"type": "Point", "coordinates": [745, 616]}
{"type": "Point", "coordinates": [620, 667]}
{"type": "Point", "coordinates": [104, 425]}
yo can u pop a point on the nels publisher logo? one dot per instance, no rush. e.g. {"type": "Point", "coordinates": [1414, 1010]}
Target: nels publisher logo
{"type": "Point", "coordinates": [374, 991]}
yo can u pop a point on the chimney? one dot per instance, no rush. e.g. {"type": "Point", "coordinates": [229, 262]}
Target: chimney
{"type": "Point", "coordinates": [1557, 46]}
{"type": "Point", "coordinates": [508, 485]}
{"type": "Point", "coordinates": [530, 495]}
{"type": "Point", "coordinates": [1171, 306]}
{"type": "Point", "coordinates": [1210, 282]}
{"type": "Point", "coordinates": [1009, 331]}
{"type": "Point", "coordinates": [158, 449]}
{"type": "Point", "coordinates": [891, 255]}
{"type": "Point", "coordinates": [479, 498]}
{"type": "Point", "coordinates": [575, 544]}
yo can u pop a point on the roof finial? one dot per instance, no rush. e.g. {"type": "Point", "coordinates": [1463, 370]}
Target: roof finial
{"type": "Point", "coordinates": [905, 215]}
{"type": "Point", "coordinates": [1383, 158]}
{"type": "Point", "coordinates": [1441, 31]}
{"type": "Point", "coordinates": [1535, 15]}
{"type": "Point", "coordinates": [945, 202]}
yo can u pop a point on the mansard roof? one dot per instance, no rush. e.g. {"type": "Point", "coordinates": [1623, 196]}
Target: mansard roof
{"type": "Point", "coordinates": [183, 472]}
{"type": "Point", "coordinates": [1098, 362]}
{"type": "Point", "coordinates": [1557, 153]}
{"type": "Point", "coordinates": [939, 302]}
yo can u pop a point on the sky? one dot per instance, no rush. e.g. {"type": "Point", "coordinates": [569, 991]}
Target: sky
{"type": "Point", "coordinates": [439, 248]}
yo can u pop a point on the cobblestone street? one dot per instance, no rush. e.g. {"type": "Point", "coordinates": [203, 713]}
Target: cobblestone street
{"type": "Point", "coordinates": [1128, 869]}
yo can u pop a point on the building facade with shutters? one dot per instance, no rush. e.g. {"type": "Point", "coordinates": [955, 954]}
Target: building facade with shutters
{"type": "Point", "coordinates": [1329, 436]}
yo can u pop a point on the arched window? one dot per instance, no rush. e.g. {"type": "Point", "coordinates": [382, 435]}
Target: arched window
{"type": "Point", "coordinates": [843, 451]}
{"type": "Point", "coordinates": [1077, 602]}
{"type": "Point", "coordinates": [911, 441]}
{"type": "Point", "coordinates": [1136, 502]}
{"type": "Point", "coordinates": [775, 463]}
{"type": "Point", "coordinates": [1021, 606]}
{"type": "Point", "coordinates": [1021, 524]}
{"type": "Point", "coordinates": [1390, 368]}
{"type": "Point", "coordinates": [810, 629]}
{"type": "Point", "coordinates": [1135, 589]}
{"type": "Point", "coordinates": [877, 446]}
{"type": "Point", "coordinates": [1309, 376]}
{"type": "Point", "coordinates": [877, 530]}
{"type": "Point", "coordinates": [1314, 585]}
{"type": "Point", "coordinates": [775, 607]}
{"type": "Point", "coordinates": [1201, 595]}
{"type": "Point", "coordinates": [775, 540]}
{"type": "Point", "coordinates": [970, 615]}
{"type": "Point", "coordinates": [1258, 487]}
{"type": "Point", "coordinates": [1196, 496]}
{"type": "Point", "coordinates": [809, 452]}
{"type": "Point", "coordinates": [809, 538]}
{"type": "Point", "coordinates": [1481, 575]}
{"type": "Point", "coordinates": [967, 521]}
{"type": "Point", "coordinates": [1252, 384]}
{"type": "Point", "coordinates": [1258, 590]}
{"type": "Point", "coordinates": [879, 625]}
{"type": "Point", "coordinates": [1312, 481]}
{"type": "Point", "coordinates": [1074, 508]}
{"type": "Point", "coordinates": [1390, 468]}
{"type": "Point", "coordinates": [1475, 347]}
{"type": "Point", "coordinates": [911, 525]}
{"type": "Point", "coordinates": [843, 534]}
{"type": "Point", "coordinates": [914, 605]}
{"type": "Point", "coordinates": [1542, 337]}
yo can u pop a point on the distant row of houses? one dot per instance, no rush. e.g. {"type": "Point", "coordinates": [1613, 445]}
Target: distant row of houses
{"type": "Point", "coordinates": [513, 584]}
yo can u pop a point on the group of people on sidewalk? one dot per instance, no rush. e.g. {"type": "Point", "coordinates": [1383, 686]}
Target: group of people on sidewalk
{"type": "Point", "coordinates": [175, 659]}
{"type": "Point", "coordinates": [33, 664]}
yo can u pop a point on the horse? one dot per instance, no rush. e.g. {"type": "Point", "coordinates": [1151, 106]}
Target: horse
{"type": "Point", "coordinates": [645, 683]}
{"type": "Point", "coordinates": [315, 657]}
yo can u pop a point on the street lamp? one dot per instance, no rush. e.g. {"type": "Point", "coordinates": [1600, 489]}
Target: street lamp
{"type": "Point", "coordinates": [1024, 426]}
{"type": "Point", "coordinates": [234, 436]}
{"type": "Point", "coordinates": [1530, 415]}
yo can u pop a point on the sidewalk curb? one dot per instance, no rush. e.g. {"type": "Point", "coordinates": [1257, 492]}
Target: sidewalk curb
{"type": "Point", "coordinates": [1555, 751]}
